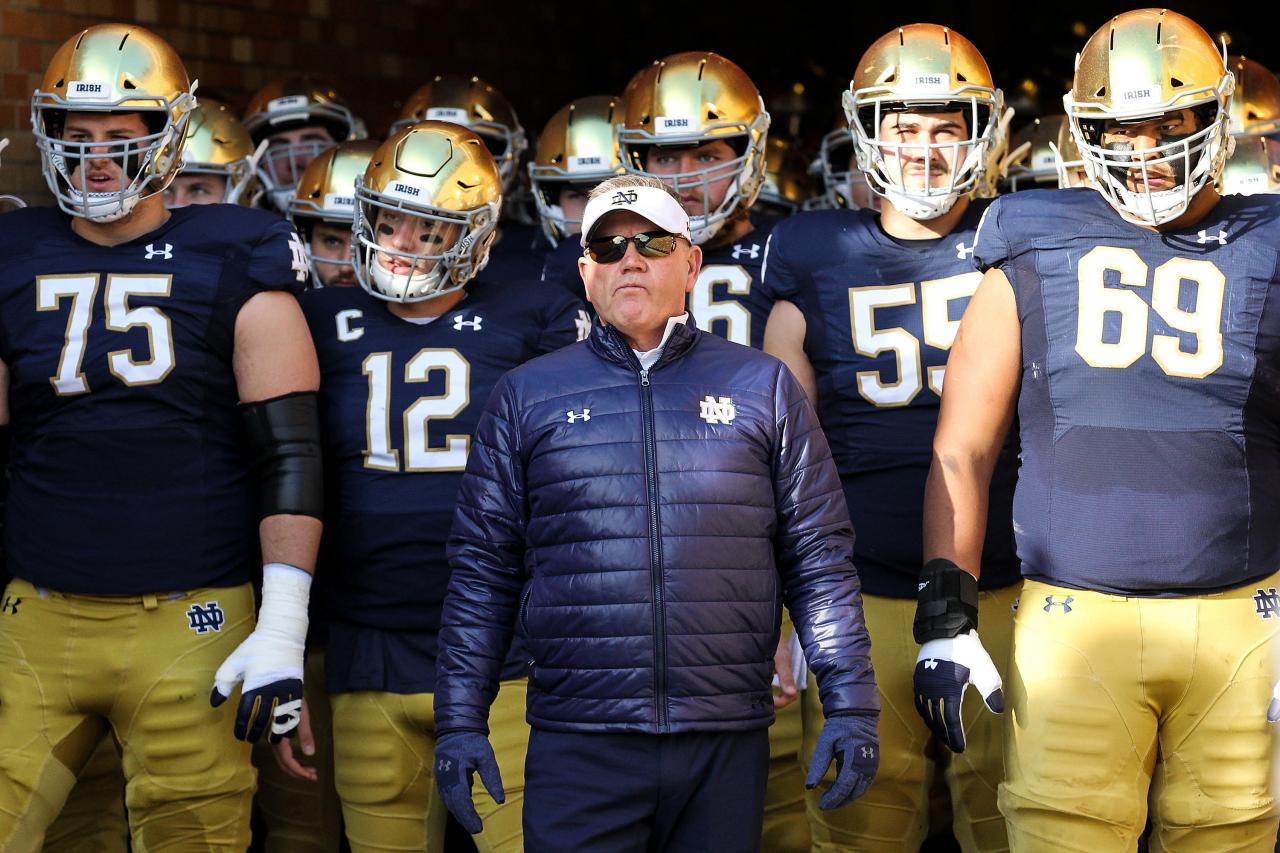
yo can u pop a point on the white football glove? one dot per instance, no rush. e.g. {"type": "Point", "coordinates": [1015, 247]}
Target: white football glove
{"type": "Point", "coordinates": [269, 661]}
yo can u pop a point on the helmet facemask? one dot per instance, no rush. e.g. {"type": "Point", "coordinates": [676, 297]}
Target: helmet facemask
{"type": "Point", "coordinates": [1195, 159]}
{"type": "Point", "coordinates": [744, 172]}
{"type": "Point", "coordinates": [147, 163]}
{"type": "Point", "coordinates": [881, 160]}
{"type": "Point", "coordinates": [459, 240]}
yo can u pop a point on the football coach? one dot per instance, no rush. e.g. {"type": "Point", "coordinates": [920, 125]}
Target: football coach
{"type": "Point", "coordinates": [641, 504]}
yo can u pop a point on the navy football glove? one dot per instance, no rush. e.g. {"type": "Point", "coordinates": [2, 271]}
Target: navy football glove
{"type": "Point", "coordinates": [944, 669]}
{"type": "Point", "coordinates": [269, 661]}
{"type": "Point", "coordinates": [854, 743]}
{"type": "Point", "coordinates": [951, 655]}
{"type": "Point", "coordinates": [459, 756]}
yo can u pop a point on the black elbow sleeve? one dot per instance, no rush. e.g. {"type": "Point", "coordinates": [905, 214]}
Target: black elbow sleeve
{"type": "Point", "coordinates": [284, 439]}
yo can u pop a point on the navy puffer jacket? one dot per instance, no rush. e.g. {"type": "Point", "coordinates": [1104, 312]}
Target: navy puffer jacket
{"type": "Point", "coordinates": [644, 527]}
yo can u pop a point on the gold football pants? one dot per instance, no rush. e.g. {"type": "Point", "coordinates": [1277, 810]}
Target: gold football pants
{"type": "Point", "coordinates": [1114, 702]}
{"type": "Point", "coordinates": [893, 815]}
{"type": "Point", "coordinates": [302, 816]}
{"type": "Point", "coordinates": [93, 819]}
{"type": "Point", "coordinates": [786, 829]}
{"type": "Point", "coordinates": [384, 758]}
{"type": "Point", "coordinates": [143, 666]}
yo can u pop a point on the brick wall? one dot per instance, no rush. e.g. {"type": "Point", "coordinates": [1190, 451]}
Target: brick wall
{"type": "Point", "coordinates": [233, 47]}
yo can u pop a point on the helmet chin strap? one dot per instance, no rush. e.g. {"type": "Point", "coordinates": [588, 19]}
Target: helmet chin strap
{"type": "Point", "coordinates": [920, 208]}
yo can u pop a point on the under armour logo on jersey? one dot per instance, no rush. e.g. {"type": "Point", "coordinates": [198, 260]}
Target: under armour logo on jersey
{"type": "Point", "coordinates": [301, 269]}
{"type": "Point", "coordinates": [1051, 601]}
{"type": "Point", "coordinates": [624, 197]}
{"type": "Point", "coordinates": [1266, 603]}
{"type": "Point", "coordinates": [164, 254]}
{"type": "Point", "coordinates": [963, 251]}
{"type": "Point", "coordinates": [740, 251]}
{"type": "Point", "coordinates": [717, 410]}
{"type": "Point", "coordinates": [10, 605]}
{"type": "Point", "coordinates": [868, 752]}
{"type": "Point", "coordinates": [205, 619]}
{"type": "Point", "coordinates": [574, 417]}
{"type": "Point", "coordinates": [1220, 237]}
{"type": "Point", "coordinates": [583, 324]}
{"type": "Point", "coordinates": [473, 323]}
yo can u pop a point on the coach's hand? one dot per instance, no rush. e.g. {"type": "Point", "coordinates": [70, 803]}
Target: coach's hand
{"type": "Point", "coordinates": [459, 756]}
{"type": "Point", "coordinates": [851, 740]}
{"type": "Point", "coordinates": [951, 655]}
{"type": "Point", "coordinates": [944, 669]}
{"type": "Point", "coordinates": [269, 661]}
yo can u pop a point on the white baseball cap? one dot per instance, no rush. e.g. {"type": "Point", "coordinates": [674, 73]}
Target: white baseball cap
{"type": "Point", "coordinates": [653, 203]}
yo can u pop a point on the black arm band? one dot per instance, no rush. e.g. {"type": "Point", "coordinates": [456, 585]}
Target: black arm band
{"type": "Point", "coordinates": [284, 438]}
{"type": "Point", "coordinates": [947, 605]}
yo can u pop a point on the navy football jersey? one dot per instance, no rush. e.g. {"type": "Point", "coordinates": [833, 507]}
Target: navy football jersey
{"type": "Point", "coordinates": [560, 267]}
{"type": "Point", "coordinates": [400, 401]}
{"type": "Point", "coordinates": [730, 299]}
{"type": "Point", "coordinates": [1149, 399]}
{"type": "Point", "coordinates": [517, 254]}
{"type": "Point", "coordinates": [881, 315]}
{"type": "Point", "coordinates": [129, 474]}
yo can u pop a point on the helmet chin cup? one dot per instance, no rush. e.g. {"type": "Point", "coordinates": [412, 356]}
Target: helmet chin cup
{"type": "Point", "coordinates": [920, 208]}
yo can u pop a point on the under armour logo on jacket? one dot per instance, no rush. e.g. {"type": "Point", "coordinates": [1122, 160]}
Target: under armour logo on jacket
{"type": "Point", "coordinates": [931, 664]}
{"type": "Point", "coordinates": [868, 752]}
{"type": "Point", "coordinates": [740, 251]}
{"type": "Point", "coordinates": [445, 765]}
{"type": "Point", "coordinates": [717, 410]}
{"type": "Point", "coordinates": [963, 251]}
{"type": "Point", "coordinates": [474, 322]}
{"type": "Point", "coordinates": [1051, 601]}
{"type": "Point", "coordinates": [574, 417]}
{"type": "Point", "coordinates": [205, 619]}
{"type": "Point", "coordinates": [1220, 237]}
{"type": "Point", "coordinates": [165, 254]}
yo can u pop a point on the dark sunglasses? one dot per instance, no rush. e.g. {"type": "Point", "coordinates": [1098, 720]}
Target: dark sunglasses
{"type": "Point", "coordinates": [650, 244]}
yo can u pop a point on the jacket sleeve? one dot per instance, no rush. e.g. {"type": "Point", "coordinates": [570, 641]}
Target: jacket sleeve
{"type": "Point", "coordinates": [814, 548]}
{"type": "Point", "coordinates": [486, 555]}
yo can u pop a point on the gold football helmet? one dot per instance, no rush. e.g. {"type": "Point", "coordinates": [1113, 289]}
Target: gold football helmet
{"type": "Point", "coordinates": [578, 146]}
{"type": "Point", "coordinates": [472, 103]}
{"type": "Point", "coordinates": [218, 144]}
{"type": "Point", "coordinates": [327, 193]}
{"type": "Point", "coordinates": [1254, 167]}
{"type": "Point", "coordinates": [924, 68]}
{"type": "Point", "coordinates": [288, 105]}
{"type": "Point", "coordinates": [442, 175]}
{"type": "Point", "coordinates": [692, 99]}
{"type": "Point", "coordinates": [1033, 160]}
{"type": "Point", "coordinates": [1136, 68]}
{"type": "Point", "coordinates": [786, 177]}
{"type": "Point", "coordinates": [118, 68]}
{"type": "Point", "coordinates": [1254, 108]}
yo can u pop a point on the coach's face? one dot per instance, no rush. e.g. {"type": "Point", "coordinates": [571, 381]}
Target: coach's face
{"type": "Point", "coordinates": [638, 294]}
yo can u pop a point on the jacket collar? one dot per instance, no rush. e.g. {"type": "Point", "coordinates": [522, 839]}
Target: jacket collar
{"type": "Point", "coordinates": [608, 343]}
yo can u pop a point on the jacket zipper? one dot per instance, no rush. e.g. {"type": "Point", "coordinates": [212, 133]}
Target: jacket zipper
{"type": "Point", "coordinates": [655, 550]}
